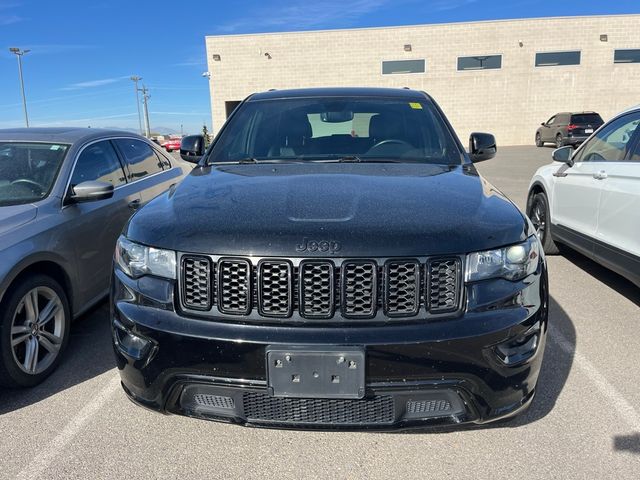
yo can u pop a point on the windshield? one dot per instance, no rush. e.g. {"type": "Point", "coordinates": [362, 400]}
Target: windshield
{"type": "Point", "coordinates": [337, 129]}
{"type": "Point", "coordinates": [28, 170]}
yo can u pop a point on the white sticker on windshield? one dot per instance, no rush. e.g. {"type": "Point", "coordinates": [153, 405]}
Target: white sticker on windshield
{"type": "Point", "coordinates": [54, 147]}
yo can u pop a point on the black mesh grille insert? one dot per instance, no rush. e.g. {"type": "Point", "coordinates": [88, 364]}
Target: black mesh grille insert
{"type": "Point", "coordinates": [215, 401]}
{"type": "Point", "coordinates": [234, 286]}
{"type": "Point", "coordinates": [196, 282]}
{"type": "Point", "coordinates": [428, 406]}
{"type": "Point", "coordinates": [359, 289]}
{"type": "Point", "coordinates": [443, 285]}
{"type": "Point", "coordinates": [316, 289]}
{"type": "Point", "coordinates": [275, 295]}
{"type": "Point", "coordinates": [402, 288]}
{"type": "Point", "coordinates": [259, 407]}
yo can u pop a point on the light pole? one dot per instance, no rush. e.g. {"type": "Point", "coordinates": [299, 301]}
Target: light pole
{"type": "Point", "coordinates": [19, 53]}
{"type": "Point", "coordinates": [145, 99]}
{"type": "Point", "coordinates": [136, 79]}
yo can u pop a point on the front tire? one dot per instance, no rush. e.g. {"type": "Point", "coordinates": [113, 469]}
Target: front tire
{"type": "Point", "coordinates": [541, 218]}
{"type": "Point", "coordinates": [35, 320]}
{"type": "Point", "coordinates": [539, 142]}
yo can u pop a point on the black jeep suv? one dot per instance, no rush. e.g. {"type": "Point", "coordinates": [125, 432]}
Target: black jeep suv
{"type": "Point", "coordinates": [334, 261]}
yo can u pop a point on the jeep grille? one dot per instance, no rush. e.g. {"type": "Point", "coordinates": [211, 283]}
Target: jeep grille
{"type": "Point", "coordinates": [310, 289]}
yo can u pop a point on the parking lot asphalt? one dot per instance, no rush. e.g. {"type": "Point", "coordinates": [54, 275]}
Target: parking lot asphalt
{"type": "Point", "coordinates": [584, 422]}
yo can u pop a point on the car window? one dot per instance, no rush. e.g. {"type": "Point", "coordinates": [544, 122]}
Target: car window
{"type": "Point", "coordinates": [610, 144]}
{"type": "Point", "coordinates": [330, 128]}
{"type": "Point", "coordinates": [164, 161]}
{"type": "Point", "coordinates": [98, 161]}
{"type": "Point", "coordinates": [140, 157]}
{"type": "Point", "coordinates": [28, 170]}
{"type": "Point", "coordinates": [551, 120]}
{"type": "Point", "coordinates": [587, 119]}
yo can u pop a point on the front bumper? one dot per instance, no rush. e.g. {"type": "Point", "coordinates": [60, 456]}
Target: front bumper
{"type": "Point", "coordinates": [477, 368]}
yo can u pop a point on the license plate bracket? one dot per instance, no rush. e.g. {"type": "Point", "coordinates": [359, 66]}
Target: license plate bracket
{"type": "Point", "coordinates": [312, 372]}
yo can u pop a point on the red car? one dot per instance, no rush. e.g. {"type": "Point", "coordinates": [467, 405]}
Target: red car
{"type": "Point", "coordinates": [172, 144]}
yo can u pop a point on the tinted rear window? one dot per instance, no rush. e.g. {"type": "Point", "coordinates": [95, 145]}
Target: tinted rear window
{"type": "Point", "coordinates": [586, 118]}
{"type": "Point", "coordinates": [140, 156]}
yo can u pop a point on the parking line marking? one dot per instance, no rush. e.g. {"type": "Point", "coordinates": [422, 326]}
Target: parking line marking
{"type": "Point", "coordinates": [37, 468]}
{"type": "Point", "coordinates": [628, 413]}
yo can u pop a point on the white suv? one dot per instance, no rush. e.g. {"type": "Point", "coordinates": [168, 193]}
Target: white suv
{"type": "Point", "coordinates": [590, 200]}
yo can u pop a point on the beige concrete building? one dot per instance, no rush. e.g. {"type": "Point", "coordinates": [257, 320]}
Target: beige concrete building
{"type": "Point", "coordinates": [503, 77]}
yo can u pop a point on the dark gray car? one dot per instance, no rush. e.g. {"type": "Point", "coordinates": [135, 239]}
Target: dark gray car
{"type": "Point", "coordinates": [65, 194]}
{"type": "Point", "coordinates": [568, 128]}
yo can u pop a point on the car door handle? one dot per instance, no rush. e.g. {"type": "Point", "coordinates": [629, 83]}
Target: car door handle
{"type": "Point", "coordinates": [601, 175]}
{"type": "Point", "coordinates": [134, 204]}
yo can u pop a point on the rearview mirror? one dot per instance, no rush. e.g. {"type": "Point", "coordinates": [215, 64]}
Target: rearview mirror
{"type": "Point", "coordinates": [482, 146]}
{"type": "Point", "coordinates": [91, 191]}
{"type": "Point", "coordinates": [192, 148]}
{"type": "Point", "coordinates": [336, 117]}
{"type": "Point", "coordinates": [564, 155]}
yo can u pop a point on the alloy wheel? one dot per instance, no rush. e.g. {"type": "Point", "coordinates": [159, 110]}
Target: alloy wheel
{"type": "Point", "coordinates": [539, 219]}
{"type": "Point", "coordinates": [37, 330]}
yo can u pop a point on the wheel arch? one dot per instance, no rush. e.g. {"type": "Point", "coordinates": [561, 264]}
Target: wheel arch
{"type": "Point", "coordinates": [535, 188]}
{"type": "Point", "coordinates": [43, 266]}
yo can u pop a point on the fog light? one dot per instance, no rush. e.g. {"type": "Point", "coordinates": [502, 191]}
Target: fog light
{"type": "Point", "coordinates": [521, 348]}
{"type": "Point", "coordinates": [129, 343]}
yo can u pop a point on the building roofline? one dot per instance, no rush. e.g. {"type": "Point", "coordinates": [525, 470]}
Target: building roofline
{"type": "Point", "coordinates": [396, 27]}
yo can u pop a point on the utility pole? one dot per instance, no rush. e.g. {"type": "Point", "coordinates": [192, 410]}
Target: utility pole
{"type": "Point", "coordinates": [19, 53]}
{"type": "Point", "coordinates": [136, 79]}
{"type": "Point", "coordinates": [145, 100]}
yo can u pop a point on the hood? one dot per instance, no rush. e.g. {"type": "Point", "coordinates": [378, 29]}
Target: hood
{"type": "Point", "coordinates": [12, 216]}
{"type": "Point", "coordinates": [344, 209]}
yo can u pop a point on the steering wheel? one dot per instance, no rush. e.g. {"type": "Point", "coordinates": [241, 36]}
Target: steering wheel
{"type": "Point", "coordinates": [30, 183]}
{"type": "Point", "coordinates": [390, 141]}
{"type": "Point", "coordinates": [595, 157]}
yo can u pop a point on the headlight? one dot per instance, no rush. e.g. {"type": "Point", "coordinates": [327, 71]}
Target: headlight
{"type": "Point", "coordinates": [137, 260]}
{"type": "Point", "coordinates": [513, 263]}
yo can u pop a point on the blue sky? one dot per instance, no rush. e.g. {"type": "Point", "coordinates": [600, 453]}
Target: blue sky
{"type": "Point", "coordinates": [83, 52]}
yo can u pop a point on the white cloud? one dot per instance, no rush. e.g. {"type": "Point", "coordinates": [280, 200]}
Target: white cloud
{"type": "Point", "coordinates": [305, 14]}
{"type": "Point", "coordinates": [9, 19]}
{"type": "Point", "coordinates": [94, 83]}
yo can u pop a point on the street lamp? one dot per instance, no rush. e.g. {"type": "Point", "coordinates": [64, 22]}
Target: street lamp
{"type": "Point", "coordinates": [136, 79]}
{"type": "Point", "coordinates": [19, 53]}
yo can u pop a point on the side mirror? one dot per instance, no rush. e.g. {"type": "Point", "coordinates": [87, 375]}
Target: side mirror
{"type": "Point", "coordinates": [91, 191]}
{"type": "Point", "coordinates": [564, 155]}
{"type": "Point", "coordinates": [482, 146]}
{"type": "Point", "coordinates": [543, 124]}
{"type": "Point", "coordinates": [192, 148]}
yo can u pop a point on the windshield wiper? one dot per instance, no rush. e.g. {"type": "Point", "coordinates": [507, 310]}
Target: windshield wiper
{"type": "Point", "coordinates": [350, 159]}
